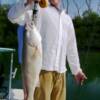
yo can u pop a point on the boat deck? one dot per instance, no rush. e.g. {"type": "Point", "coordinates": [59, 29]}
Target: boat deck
{"type": "Point", "coordinates": [17, 94]}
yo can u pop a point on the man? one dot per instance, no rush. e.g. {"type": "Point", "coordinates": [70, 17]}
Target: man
{"type": "Point", "coordinates": [58, 41]}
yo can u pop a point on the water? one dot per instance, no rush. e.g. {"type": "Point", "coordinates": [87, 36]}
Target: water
{"type": "Point", "coordinates": [89, 91]}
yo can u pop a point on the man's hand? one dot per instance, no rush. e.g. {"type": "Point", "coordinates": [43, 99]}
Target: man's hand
{"type": "Point", "coordinates": [42, 3]}
{"type": "Point", "coordinates": [80, 77]}
{"type": "Point", "coordinates": [29, 1]}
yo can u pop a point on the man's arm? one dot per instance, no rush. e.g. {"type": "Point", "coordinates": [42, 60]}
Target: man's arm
{"type": "Point", "coordinates": [17, 12]}
{"type": "Point", "coordinates": [72, 54]}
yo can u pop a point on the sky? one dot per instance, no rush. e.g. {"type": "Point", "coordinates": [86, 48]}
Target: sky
{"type": "Point", "coordinates": [82, 5]}
{"type": "Point", "coordinates": [72, 8]}
{"type": "Point", "coordinates": [8, 1]}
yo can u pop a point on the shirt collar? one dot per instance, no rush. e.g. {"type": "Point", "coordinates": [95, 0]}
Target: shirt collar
{"type": "Point", "coordinates": [59, 9]}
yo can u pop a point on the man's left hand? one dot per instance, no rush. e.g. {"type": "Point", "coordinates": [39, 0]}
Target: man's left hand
{"type": "Point", "coordinates": [80, 78]}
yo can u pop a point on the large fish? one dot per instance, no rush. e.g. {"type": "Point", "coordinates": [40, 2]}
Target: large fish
{"type": "Point", "coordinates": [32, 58]}
{"type": "Point", "coordinates": [32, 61]}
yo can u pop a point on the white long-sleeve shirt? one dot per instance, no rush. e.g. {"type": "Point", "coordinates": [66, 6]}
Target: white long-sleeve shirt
{"type": "Point", "coordinates": [58, 36]}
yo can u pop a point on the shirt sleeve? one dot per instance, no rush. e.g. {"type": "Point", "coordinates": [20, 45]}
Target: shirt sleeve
{"type": "Point", "coordinates": [72, 52]}
{"type": "Point", "coordinates": [16, 14]}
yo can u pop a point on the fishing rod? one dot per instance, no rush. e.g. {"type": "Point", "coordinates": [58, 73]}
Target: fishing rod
{"type": "Point", "coordinates": [35, 11]}
{"type": "Point", "coordinates": [37, 3]}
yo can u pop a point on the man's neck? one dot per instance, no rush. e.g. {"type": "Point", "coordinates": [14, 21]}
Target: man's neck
{"type": "Point", "coordinates": [56, 6]}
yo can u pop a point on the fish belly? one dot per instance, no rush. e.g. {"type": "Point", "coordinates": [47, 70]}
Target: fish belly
{"type": "Point", "coordinates": [32, 62]}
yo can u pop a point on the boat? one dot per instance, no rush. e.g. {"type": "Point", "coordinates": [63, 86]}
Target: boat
{"type": "Point", "coordinates": [11, 93]}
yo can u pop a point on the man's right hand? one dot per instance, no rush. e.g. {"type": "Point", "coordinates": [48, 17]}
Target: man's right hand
{"type": "Point", "coordinates": [29, 1]}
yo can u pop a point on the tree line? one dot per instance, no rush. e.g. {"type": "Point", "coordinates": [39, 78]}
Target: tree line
{"type": "Point", "coordinates": [87, 29]}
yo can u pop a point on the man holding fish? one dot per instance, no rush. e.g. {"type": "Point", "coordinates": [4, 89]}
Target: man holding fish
{"type": "Point", "coordinates": [58, 42]}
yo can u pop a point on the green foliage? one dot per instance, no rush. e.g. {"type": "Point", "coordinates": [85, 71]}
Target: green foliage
{"type": "Point", "coordinates": [88, 30]}
{"type": "Point", "coordinates": [7, 30]}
